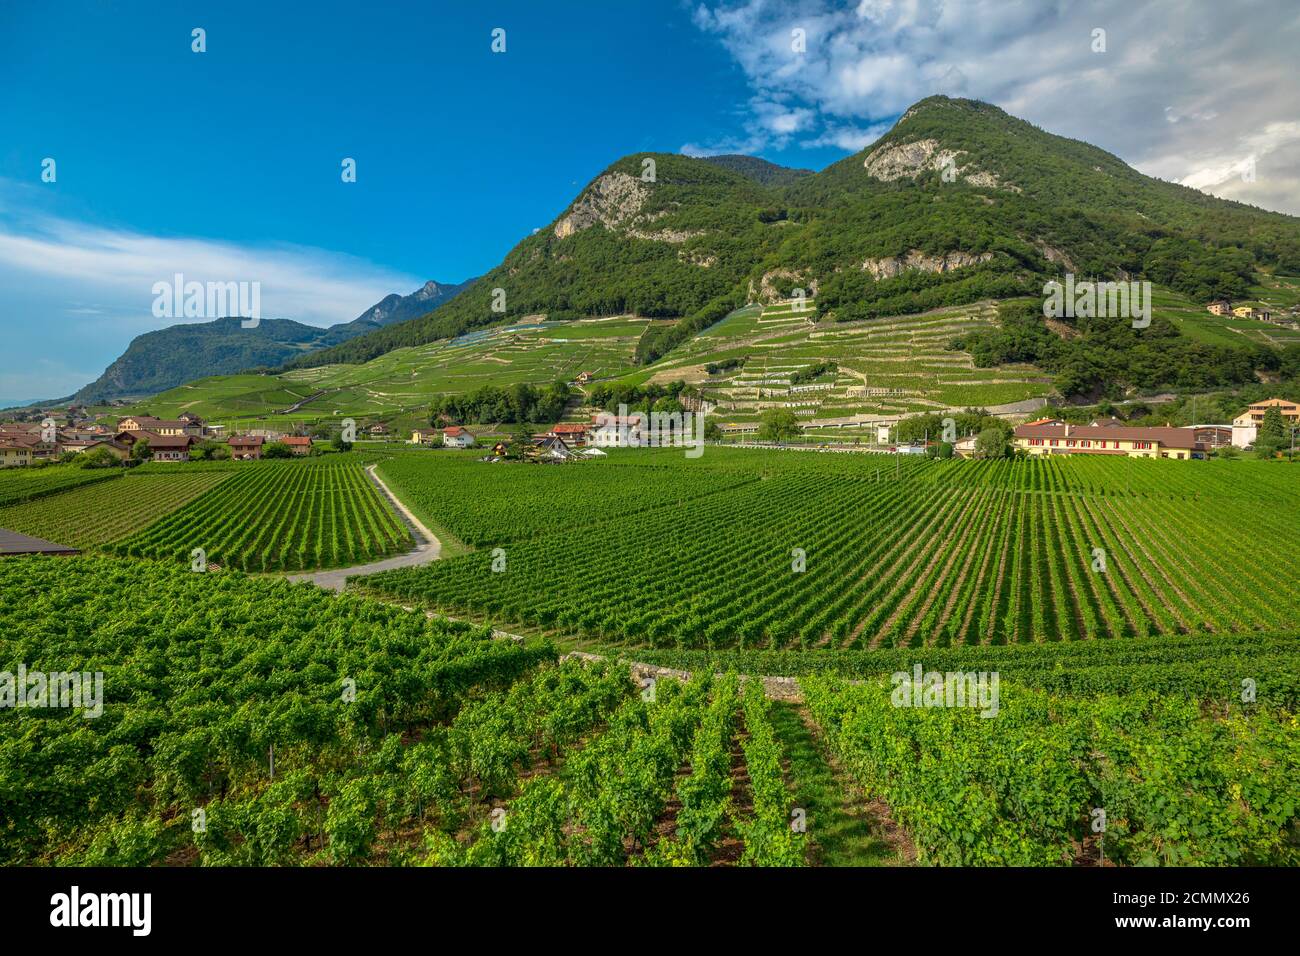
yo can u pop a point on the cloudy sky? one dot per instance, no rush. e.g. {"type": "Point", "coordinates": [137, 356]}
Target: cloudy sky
{"type": "Point", "coordinates": [225, 165]}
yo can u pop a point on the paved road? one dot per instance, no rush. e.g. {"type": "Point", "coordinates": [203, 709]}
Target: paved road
{"type": "Point", "coordinates": [428, 548]}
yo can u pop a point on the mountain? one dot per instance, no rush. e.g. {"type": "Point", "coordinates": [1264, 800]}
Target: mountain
{"type": "Point", "coordinates": [165, 358]}
{"type": "Point", "coordinates": [394, 308]}
{"type": "Point", "coordinates": [959, 202]}
{"type": "Point", "coordinates": [759, 170]}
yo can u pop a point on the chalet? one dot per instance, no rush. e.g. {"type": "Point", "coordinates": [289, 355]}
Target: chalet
{"type": "Point", "coordinates": [1220, 307]}
{"type": "Point", "coordinates": [171, 447]}
{"type": "Point", "coordinates": [1245, 427]}
{"type": "Point", "coordinates": [457, 437]}
{"type": "Point", "coordinates": [298, 444]}
{"type": "Point", "coordinates": [573, 434]}
{"type": "Point", "coordinates": [246, 447]}
{"type": "Point", "coordinates": [552, 448]}
{"type": "Point", "coordinates": [424, 436]}
{"type": "Point", "coordinates": [1121, 440]}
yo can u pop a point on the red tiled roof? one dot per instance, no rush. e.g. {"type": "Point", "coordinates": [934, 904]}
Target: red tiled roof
{"type": "Point", "coordinates": [244, 440]}
{"type": "Point", "coordinates": [1168, 437]}
{"type": "Point", "coordinates": [455, 431]}
{"type": "Point", "coordinates": [569, 428]}
{"type": "Point", "coordinates": [298, 441]}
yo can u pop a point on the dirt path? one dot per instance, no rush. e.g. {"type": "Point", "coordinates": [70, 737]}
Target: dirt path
{"type": "Point", "coordinates": [428, 548]}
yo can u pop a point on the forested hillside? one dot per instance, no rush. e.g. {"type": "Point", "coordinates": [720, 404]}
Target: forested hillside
{"type": "Point", "coordinates": [959, 202]}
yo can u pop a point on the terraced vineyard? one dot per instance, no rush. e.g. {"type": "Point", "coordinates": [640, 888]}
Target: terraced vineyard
{"type": "Point", "coordinates": [103, 512]}
{"type": "Point", "coordinates": [278, 516]}
{"type": "Point", "coordinates": [844, 552]}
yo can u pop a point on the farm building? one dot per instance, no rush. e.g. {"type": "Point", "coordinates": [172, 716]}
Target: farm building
{"type": "Point", "coordinates": [574, 434]}
{"type": "Point", "coordinates": [299, 444]}
{"type": "Point", "coordinates": [1108, 439]}
{"type": "Point", "coordinates": [457, 437]}
{"type": "Point", "coordinates": [246, 447]}
{"type": "Point", "coordinates": [171, 447]}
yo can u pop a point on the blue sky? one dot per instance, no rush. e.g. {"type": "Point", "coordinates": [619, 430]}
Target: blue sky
{"type": "Point", "coordinates": [226, 164]}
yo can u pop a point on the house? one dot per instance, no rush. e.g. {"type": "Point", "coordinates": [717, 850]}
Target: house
{"type": "Point", "coordinates": [457, 437]}
{"type": "Point", "coordinates": [300, 445]}
{"type": "Point", "coordinates": [161, 426]}
{"type": "Point", "coordinates": [1168, 442]}
{"type": "Point", "coordinates": [378, 430]}
{"type": "Point", "coordinates": [965, 447]}
{"type": "Point", "coordinates": [500, 449]}
{"type": "Point", "coordinates": [552, 448]}
{"type": "Point", "coordinates": [171, 447]}
{"type": "Point", "coordinates": [584, 377]}
{"type": "Point", "coordinates": [1220, 307]}
{"type": "Point", "coordinates": [14, 453]}
{"type": "Point", "coordinates": [1245, 427]}
{"type": "Point", "coordinates": [81, 446]}
{"type": "Point", "coordinates": [246, 447]}
{"type": "Point", "coordinates": [424, 436]}
{"type": "Point", "coordinates": [613, 431]}
{"type": "Point", "coordinates": [574, 434]}
{"type": "Point", "coordinates": [1243, 311]}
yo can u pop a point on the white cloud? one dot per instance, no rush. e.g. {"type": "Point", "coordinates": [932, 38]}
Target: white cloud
{"type": "Point", "coordinates": [73, 295]}
{"type": "Point", "coordinates": [1187, 90]}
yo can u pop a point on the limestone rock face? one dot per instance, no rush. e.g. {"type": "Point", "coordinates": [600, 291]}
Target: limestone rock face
{"type": "Point", "coordinates": [612, 199]}
{"type": "Point", "coordinates": [916, 261]}
{"type": "Point", "coordinates": [903, 160]}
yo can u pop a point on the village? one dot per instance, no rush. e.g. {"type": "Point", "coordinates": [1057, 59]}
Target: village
{"type": "Point", "coordinates": [189, 437]}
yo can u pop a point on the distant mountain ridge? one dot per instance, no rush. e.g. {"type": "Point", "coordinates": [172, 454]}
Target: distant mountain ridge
{"type": "Point", "coordinates": [165, 358]}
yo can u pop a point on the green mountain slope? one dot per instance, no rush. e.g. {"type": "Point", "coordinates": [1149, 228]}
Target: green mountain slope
{"type": "Point", "coordinates": [959, 202]}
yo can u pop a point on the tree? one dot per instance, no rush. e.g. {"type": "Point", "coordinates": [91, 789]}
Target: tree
{"type": "Point", "coordinates": [338, 444]}
{"type": "Point", "coordinates": [276, 449]}
{"type": "Point", "coordinates": [140, 451]}
{"type": "Point", "coordinates": [1272, 428]}
{"type": "Point", "coordinates": [991, 443]}
{"type": "Point", "coordinates": [778, 424]}
{"type": "Point", "coordinates": [940, 450]}
{"type": "Point", "coordinates": [712, 432]}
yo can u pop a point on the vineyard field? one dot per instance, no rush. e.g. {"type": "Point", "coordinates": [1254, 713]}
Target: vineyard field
{"type": "Point", "coordinates": [857, 552]}
{"type": "Point", "coordinates": [102, 512]}
{"type": "Point", "coordinates": [27, 484]}
{"type": "Point", "coordinates": [301, 728]}
{"type": "Point", "coordinates": [277, 516]}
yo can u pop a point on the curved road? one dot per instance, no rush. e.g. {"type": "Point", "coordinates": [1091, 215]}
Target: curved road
{"type": "Point", "coordinates": [428, 548]}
